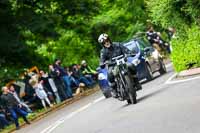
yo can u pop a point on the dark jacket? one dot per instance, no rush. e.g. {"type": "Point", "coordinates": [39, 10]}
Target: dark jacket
{"type": "Point", "coordinates": [46, 84]}
{"type": "Point", "coordinates": [116, 49]}
{"type": "Point", "coordinates": [151, 35]}
{"type": "Point", "coordinates": [76, 73]}
{"type": "Point", "coordinates": [61, 70]}
{"type": "Point", "coordinates": [9, 101]}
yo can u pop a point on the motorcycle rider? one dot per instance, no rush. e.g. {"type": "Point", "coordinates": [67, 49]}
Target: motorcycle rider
{"type": "Point", "coordinates": [112, 49]}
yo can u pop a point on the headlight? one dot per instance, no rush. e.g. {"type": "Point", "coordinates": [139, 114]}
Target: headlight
{"type": "Point", "coordinates": [136, 62]}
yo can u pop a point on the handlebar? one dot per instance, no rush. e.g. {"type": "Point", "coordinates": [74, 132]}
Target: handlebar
{"type": "Point", "coordinates": [113, 61]}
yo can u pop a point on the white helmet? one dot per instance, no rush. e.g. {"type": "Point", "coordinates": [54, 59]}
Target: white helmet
{"type": "Point", "coordinates": [102, 37]}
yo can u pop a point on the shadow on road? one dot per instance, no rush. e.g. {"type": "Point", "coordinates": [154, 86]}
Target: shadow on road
{"type": "Point", "coordinates": [151, 94]}
{"type": "Point", "coordinates": [146, 81]}
{"type": "Point", "coordinates": [145, 97]}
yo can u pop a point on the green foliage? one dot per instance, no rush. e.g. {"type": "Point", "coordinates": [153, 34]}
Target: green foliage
{"type": "Point", "coordinates": [121, 20]}
{"type": "Point", "coordinates": [71, 48]}
{"type": "Point", "coordinates": [184, 16]}
{"type": "Point", "coordinates": [34, 32]}
{"type": "Point", "coordinates": [186, 52]}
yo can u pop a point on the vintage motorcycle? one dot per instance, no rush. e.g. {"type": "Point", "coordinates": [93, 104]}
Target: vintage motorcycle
{"type": "Point", "coordinates": [126, 89]}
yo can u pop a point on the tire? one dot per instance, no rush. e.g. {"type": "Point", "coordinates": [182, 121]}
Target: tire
{"type": "Point", "coordinates": [107, 94]}
{"type": "Point", "coordinates": [149, 74]}
{"type": "Point", "coordinates": [162, 69]}
{"type": "Point", "coordinates": [132, 97]}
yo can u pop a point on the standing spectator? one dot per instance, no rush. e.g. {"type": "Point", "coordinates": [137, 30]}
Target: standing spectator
{"type": "Point", "coordinates": [12, 91]}
{"type": "Point", "coordinates": [55, 75]}
{"type": "Point", "coordinates": [64, 76]}
{"type": "Point", "coordinates": [45, 83]}
{"type": "Point", "coordinates": [55, 90]}
{"type": "Point", "coordinates": [13, 106]}
{"type": "Point", "coordinates": [30, 95]}
{"type": "Point", "coordinates": [40, 92]}
{"type": "Point", "coordinates": [171, 34]}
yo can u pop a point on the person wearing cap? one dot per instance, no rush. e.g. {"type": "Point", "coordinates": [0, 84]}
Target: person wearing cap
{"type": "Point", "coordinates": [88, 72]}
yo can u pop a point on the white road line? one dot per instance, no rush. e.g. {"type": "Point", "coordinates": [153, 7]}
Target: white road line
{"type": "Point", "coordinates": [62, 120]}
{"type": "Point", "coordinates": [54, 127]}
{"type": "Point", "coordinates": [170, 78]}
{"type": "Point", "coordinates": [99, 99]}
{"type": "Point", "coordinates": [83, 108]}
{"type": "Point", "coordinates": [180, 81]}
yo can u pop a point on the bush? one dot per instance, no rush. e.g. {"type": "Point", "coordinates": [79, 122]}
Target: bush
{"type": "Point", "coordinates": [186, 50]}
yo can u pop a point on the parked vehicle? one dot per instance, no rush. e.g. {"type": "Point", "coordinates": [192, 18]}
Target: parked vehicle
{"type": "Point", "coordinates": [147, 59]}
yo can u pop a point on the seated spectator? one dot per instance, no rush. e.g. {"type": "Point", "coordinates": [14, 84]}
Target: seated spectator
{"type": "Point", "coordinates": [13, 106]}
{"type": "Point", "coordinates": [40, 92]}
{"type": "Point", "coordinates": [87, 71]}
{"type": "Point", "coordinates": [25, 106]}
{"type": "Point", "coordinates": [74, 82]}
{"type": "Point", "coordinates": [79, 77]}
{"type": "Point", "coordinates": [3, 120]}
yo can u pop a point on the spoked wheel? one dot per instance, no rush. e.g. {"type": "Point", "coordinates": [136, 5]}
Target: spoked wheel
{"type": "Point", "coordinates": [132, 96]}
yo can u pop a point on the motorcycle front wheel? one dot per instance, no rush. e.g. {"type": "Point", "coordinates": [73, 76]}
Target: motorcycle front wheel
{"type": "Point", "coordinates": [132, 96]}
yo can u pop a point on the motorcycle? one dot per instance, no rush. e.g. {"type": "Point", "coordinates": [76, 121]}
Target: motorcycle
{"type": "Point", "coordinates": [126, 89]}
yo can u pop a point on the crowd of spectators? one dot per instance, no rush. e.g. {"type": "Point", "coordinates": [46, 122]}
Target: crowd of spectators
{"type": "Point", "coordinates": [43, 90]}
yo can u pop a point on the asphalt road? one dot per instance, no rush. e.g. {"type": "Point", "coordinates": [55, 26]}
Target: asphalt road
{"type": "Point", "coordinates": [161, 108]}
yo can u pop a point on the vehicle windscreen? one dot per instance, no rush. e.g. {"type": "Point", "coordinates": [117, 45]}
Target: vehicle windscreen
{"type": "Point", "coordinates": [132, 46]}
